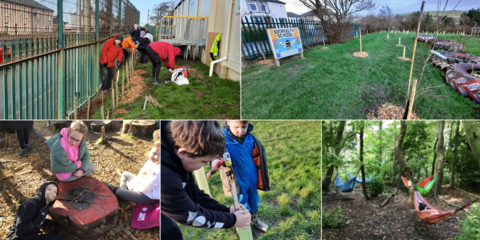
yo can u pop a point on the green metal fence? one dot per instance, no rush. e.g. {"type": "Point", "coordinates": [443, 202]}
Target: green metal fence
{"type": "Point", "coordinates": [50, 70]}
{"type": "Point", "coordinates": [254, 33]}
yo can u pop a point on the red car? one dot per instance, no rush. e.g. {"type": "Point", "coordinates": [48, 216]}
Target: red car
{"type": "Point", "coordinates": [9, 53]}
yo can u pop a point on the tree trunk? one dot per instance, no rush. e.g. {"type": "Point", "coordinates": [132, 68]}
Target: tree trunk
{"type": "Point", "coordinates": [401, 161]}
{"type": "Point", "coordinates": [337, 148]}
{"type": "Point", "coordinates": [473, 136]}
{"type": "Point", "coordinates": [380, 152]}
{"type": "Point", "coordinates": [454, 160]}
{"type": "Point", "coordinates": [394, 163]}
{"type": "Point", "coordinates": [434, 156]}
{"type": "Point", "coordinates": [437, 188]}
{"type": "Point", "coordinates": [362, 167]}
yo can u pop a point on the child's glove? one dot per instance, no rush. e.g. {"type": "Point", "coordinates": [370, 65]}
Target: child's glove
{"type": "Point", "coordinates": [171, 70]}
{"type": "Point", "coordinates": [55, 228]}
{"type": "Point", "coordinates": [105, 64]}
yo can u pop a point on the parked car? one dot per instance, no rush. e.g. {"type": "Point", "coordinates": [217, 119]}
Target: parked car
{"type": "Point", "coordinates": [9, 53]}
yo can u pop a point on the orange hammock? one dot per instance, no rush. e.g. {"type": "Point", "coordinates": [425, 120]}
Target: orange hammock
{"type": "Point", "coordinates": [430, 215]}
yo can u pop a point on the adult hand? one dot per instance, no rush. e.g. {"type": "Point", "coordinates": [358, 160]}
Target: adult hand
{"type": "Point", "coordinates": [239, 207]}
{"type": "Point", "coordinates": [215, 165]}
{"type": "Point", "coordinates": [243, 219]}
{"type": "Point", "coordinates": [78, 173]}
{"type": "Point", "coordinates": [171, 70]}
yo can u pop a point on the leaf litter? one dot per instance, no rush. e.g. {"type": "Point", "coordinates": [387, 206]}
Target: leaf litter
{"type": "Point", "coordinates": [21, 176]}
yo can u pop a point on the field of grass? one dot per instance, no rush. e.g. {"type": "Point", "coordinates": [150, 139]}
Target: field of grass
{"type": "Point", "coordinates": [332, 84]}
{"type": "Point", "coordinates": [292, 207]}
{"type": "Point", "coordinates": [204, 98]}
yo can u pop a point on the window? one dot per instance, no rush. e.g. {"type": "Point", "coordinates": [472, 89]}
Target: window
{"type": "Point", "coordinates": [48, 28]}
{"type": "Point", "coordinates": [24, 12]}
{"type": "Point", "coordinates": [36, 27]}
{"type": "Point", "coordinates": [24, 28]}
{"type": "Point", "coordinates": [6, 27]}
{"type": "Point", "coordinates": [309, 18]}
{"type": "Point", "coordinates": [36, 14]}
{"type": "Point", "coordinates": [5, 6]}
{"type": "Point", "coordinates": [258, 6]}
{"type": "Point", "coordinates": [48, 16]}
{"type": "Point", "coordinates": [252, 6]}
{"type": "Point", "coordinates": [191, 9]}
{"type": "Point", "coordinates": [238, 5]}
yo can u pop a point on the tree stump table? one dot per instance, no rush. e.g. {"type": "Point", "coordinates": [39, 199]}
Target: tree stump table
{"type": "Point", "coordinates": [86, 207]}
{"type": "Point", "coordinates": [139, 128]}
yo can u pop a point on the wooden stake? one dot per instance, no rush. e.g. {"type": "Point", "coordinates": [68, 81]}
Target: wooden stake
{"type": "Point", "coordinates": [412, 99]}
{"type": "Point", "coordinates": [413, 57]}
{"type": "Point", "coordinates": [403, 51]}
{"type": "Point", "coordinates": [74, 108]}
{"type": "Point", "coordinates": [116, 86]}
{"type": "Point", "coordinates": [113, 103]}
{"type": "Point", "coordinates": [123, 82]}
{"type": "Point", "coordinates": [108, 112]}
{"type": "Point", "coordinates": [103, 133]}
{"type": "Point", "coordinates": [101, 107]}
{"type": "Point", "coordinates": [243, 234]}
{"type": "Point", "coordinates": [360, 32]}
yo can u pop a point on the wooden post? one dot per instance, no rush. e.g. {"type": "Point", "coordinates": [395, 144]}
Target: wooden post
{"type": "Point", "coordinates": [116, 86]}
{"type": "Point", "coordinates": [413, 56]}
{"type": "Point", "coordinates": [123, 83]}
{"type": "Point", "coordinates": [403, 51]}
{"type": "Point", "coordinates": [113, 103]}
{"type": "Point", "coordinates": [108, 113]}
{"type": "Point", "coordinates": [202, 180]}
{"type": "Point", "coordinates": [360, 32]}
{"type": "Point", "coordinates": [74, 108]}
{"type": "Point", "coordinates": [244, 234]}
{"type": "Point", "coordinates": [399, 41]}
{"type": "Point", "coordinates": [412, 99]}
{"type": "Point", "coordinates": [101, 107]}
{"type": "Point", "coordinates": [103, 133]}
{"type": "Point", "coordinates": [277, 62]}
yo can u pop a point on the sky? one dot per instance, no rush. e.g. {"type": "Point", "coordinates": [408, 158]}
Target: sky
{"type": "Point", "coordinates": [398, 6]}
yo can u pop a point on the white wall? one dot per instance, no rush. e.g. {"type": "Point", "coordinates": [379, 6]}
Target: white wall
{"type": "Point", "coordinates": [275, 10]}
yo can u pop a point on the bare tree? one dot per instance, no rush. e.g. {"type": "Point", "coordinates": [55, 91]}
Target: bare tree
{"type": "Point", "coordinates": [160, 10]}
{"type": "Point", "coordinates": [387, 15]}
{"type": "Point", "coordinates": [333, 14]}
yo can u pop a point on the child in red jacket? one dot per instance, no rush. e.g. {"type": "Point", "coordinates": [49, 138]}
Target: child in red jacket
{"type": "Point", "coordinates": [112, 49]}
{"type": "Point", "coordinates": [162, 51]}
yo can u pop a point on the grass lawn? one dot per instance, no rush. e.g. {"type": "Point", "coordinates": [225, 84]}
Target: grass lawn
{"type": "Point", "coordinates": [204, 98]}
{"type": "Point", "coordinates": [292, 207]}
{"type": "Point", "coordinates": [332, 84]}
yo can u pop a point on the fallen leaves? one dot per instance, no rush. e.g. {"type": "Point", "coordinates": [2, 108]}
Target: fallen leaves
{"type": "Point", "coordinates": [389, 111]}
{"type": "Point", "coordinates": [124, 154]}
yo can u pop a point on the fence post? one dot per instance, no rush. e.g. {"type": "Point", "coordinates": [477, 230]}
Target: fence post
{"type": "Point", "coordinates": [111, 17]}
{"type": "Point", "coordinates": [126, 16]}
{"type": "Point", "coordinates": [97, 45]}
{"type": "Point", "coordinates": [120, 17]}
{"type": "Point", "coordinates": [60, 59]}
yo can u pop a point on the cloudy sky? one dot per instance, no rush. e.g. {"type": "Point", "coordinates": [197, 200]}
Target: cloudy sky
{"type": "Point", "coordinates": [398, 6]}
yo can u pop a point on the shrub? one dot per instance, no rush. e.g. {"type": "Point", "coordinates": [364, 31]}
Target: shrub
{"type": "Point", "coordinates": [377, 186]}
{"type": "Point", "coordinates": [469, 226]}
{"type": "Point", "coordinates": [333, 219]}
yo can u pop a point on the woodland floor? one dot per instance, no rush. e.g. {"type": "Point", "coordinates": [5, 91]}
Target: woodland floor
{"type": "Point", "coordinates": [20, 177]}
{"type": "Point", "coordinates": [397, 220]}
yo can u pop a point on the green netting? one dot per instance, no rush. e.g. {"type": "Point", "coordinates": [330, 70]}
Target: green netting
{"type": "Point", "coordinates": [427, 188]}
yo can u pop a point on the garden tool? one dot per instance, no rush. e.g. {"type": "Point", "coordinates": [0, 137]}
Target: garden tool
{"type": "Point", "coordinates": [211, 172]}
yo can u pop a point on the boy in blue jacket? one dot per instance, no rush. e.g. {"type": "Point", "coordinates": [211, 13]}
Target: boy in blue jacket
{"type": "Point", "coordinates": [248, 169]}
